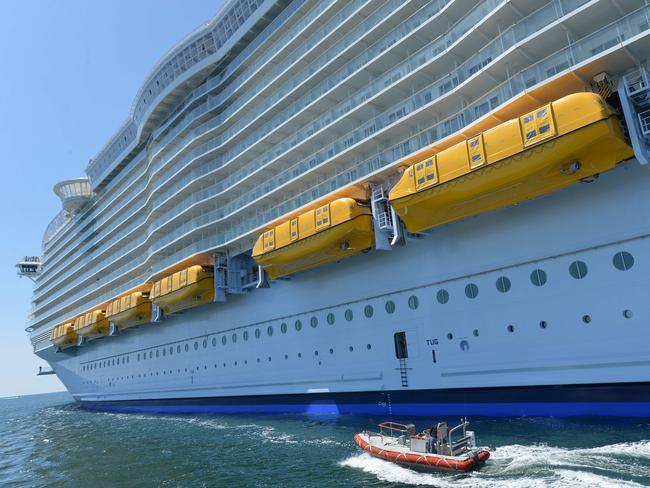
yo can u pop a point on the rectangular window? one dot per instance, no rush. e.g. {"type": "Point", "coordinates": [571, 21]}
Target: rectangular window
{"type": "Point", "coordinates": [401, 347]}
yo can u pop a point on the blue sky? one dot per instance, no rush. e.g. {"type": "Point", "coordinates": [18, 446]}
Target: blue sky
{"type": "Point", "coordinates": [70, 70]}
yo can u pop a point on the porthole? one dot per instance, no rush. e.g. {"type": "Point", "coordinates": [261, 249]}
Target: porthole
{"type": "Point", "coordinates": [390, 306]}
{"type": "Point", "coordinates": [414, 302]}
{"type": "Point", "coordinates": [586, 319]}
{"type": "Point", "coordinates": [450, 336]}
{"type": "Point", "coordinates": [315, 353]}
{"type": "Point", "coordinates": [503, 284]}
{"type": "Point", "coordinates": [351, 349]}
{"type": "Point", "coordinates": [475, 332]}
{"type": "Point", "coordinates": [348, 315]}
{"type": "Point", "coordinates": [138, 357]}
{"type": "Point", "coordinates": [178, 349]}
{"type": "Point", "coordinates": [286, 356]}
{"type": "Point", "coordinates": [368, 346]}
{"type": "Point", "coordinates": [269, 330]}
{"type": "Point", "coordinates": [623, 260]}
{"type": "Point", "coordinates": [331, 351]}
{"type": "Point", "coordinates": [196, 346]}
{"type": "Point", "coordinates": [298, 325]}
{"type": "Point", "coordinates": [164, 351]}
{"type": "Point", "coordinates": [578, 269]}
{"type": "Point", "coordinates": [511, 328]}
{"type": "Point", "coordinates": [257, 333]}
{"type": "Point", "coordinates": [313, 322]}
{"type": "Point", "coordinates": [331, 318]}
{"type": "Point", "coordinates": [471, 290]}
{"type": "Point", "coordinates": [205, 343]}
{"type": "Point", "coordinates": [245, 335]}
{"type": "Point", "coordinates": [543, 324]}
{"type": "Point", "coordinates": [214, 342]}
{"type": "Point", "coordinates": [157, 354]}
{"type": "Point", "coordinates": [283, 328]}
{"type": "Point", "coordinates": [258, 360]}
{"type": "Point", "coordinates": [233, 338]}
{"type": "Point", "coordinates": [627, 314]}
{"type": "Point", "coordinates": [224, 339]}
{"type": "Point", "coordinates": [187, 347]}
{"type": "Point", "coordinates": [368, 311]}
{"type": "Point", "coordinates": [538, 277]}
{"type": "Point", "coordinates": [299, 354]}
{"type": "Point", "coordinates": [442, 296]}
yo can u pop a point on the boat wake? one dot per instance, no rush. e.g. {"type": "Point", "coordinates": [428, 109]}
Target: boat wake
{"type": "Point", "coordinates": [514, 466]}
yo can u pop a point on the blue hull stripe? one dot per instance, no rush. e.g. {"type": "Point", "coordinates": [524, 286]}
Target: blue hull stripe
{"type": "Point", "coordinates": [622, 399]}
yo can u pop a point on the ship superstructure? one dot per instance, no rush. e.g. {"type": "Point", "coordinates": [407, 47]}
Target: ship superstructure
{"type": "Point", "coordinates": [331, 205]}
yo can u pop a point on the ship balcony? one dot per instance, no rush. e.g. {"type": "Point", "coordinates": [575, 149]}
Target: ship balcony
{"type": "Point", "coordinates": [74, 194]}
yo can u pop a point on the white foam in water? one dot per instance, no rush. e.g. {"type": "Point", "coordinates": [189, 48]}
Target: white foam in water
{"type": "Point", "coordinates": [518, 466]}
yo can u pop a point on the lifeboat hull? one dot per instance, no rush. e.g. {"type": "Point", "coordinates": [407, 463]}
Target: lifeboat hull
{"type": "Point", "coordinates": [138, 315]}
{"type": "Point", "coordinates": [94, 331]}
{"type": "Point", "coordinates": [338, 242]}
{"type": "Point", "coordinates": [541, 169]}
{"type": "Point", "coordinates": [189, 296]}
{"type": "Point", "coordinates": [424, 461]}
{"type": "Point", "coordinates": [66, 340]}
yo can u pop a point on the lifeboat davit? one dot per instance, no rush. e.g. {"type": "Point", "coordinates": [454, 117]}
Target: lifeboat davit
{"type": "Point", "coordinates": [437, 448]}
{"type": "Point", "coordinates": [545, 150]}
{"type": "Point", "coordinates": [91, 325]}
{"type": "Point", "coordinates": [130, 310]}
{"type": "Point", "coordinates": [337, 230]}
{"type": "Point", "coordinates": [64, 335]}
{"type": "Point", "coordinates": [184, 289]}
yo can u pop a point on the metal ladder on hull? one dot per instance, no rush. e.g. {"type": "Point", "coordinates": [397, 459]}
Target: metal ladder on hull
{"type": "Point", "coordinates": [403, 373]}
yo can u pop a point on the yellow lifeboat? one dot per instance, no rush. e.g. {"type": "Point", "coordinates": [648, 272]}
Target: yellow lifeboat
{"type": "Point", "coordinates": [543, 151]}
{"type": "Point", "coordinates": [64, 335]}
{"type": "Point", "coordinates": [130, 310]}
{"type": "Point", "coordinates": [92, 325]}
{"type": "Point", "coordinates": [184, 289]}
{"type": "Point", "coordinates": [335, 231]}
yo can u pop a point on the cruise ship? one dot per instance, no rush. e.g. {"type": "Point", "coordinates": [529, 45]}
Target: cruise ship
{"type": "Point", "coordinates": [423, 207]}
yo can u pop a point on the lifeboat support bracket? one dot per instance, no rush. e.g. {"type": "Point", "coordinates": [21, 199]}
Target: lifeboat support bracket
{"type": "Point", "coordinates": [386, 224]}
{"type": "Point", "coordinates": [157, 314]}
{"type": "Point", "coordinates": [634, 93]}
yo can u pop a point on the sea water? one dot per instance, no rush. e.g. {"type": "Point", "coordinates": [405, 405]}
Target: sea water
{"type": "Point", "coordinates": [48, 441]}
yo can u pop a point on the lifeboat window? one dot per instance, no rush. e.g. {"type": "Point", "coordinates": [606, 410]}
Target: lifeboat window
{"type": "Point", "coordinates": [233, 338]}
{"type": "Point", "coordinates": [224, 340]}
{"type": "Point", "coordinates": [531, 134]}
{"type": "Point", "coordinates": [442, 296]}
{"type": "Point", "coordinates": [542, 112]}
{"type": "Point", "coordinates": [503, 284]}
{"type": "Point", "coordinates": [623, 260]}
{"type": "Point", "coordinates": [401, 347]}
{"type": "Point", "coordinates": [578, 269]}
{"type": "Point", "coordinates": [544, 128]}
{"type": "Point", "coordinates": [283, 328]}
{"type": "Point", "coordinates": [348, 315]}
{"type": "Point", "coordinates": [390, 306]}
{"type": "Point", "coordinates": [257, 333]}
{"type": "Point", "coordinates": [368, 311]}
{"type": "Point", "coordinates": [331, 318]}
{"type": "Point", "coordinates": [245, 335]}
{"type": "Point", "coordinates": [269, 330]}
{"type": "Point", "coordinates": [294, 229]}
{"type": "Point", "coordinates": [538, 277]}
{"type": "Point", "coordinates": [313, 322]}
{"type": "Point", "coordinates": [528, 118]}
{"type": "Point", "coordinates": [471, 290]}
{"type": "Point", "coordinates": [420, 166]}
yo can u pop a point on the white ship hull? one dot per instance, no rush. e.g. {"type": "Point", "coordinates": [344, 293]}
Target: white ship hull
{"type": "Point", "coordinates": [572, 346]}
